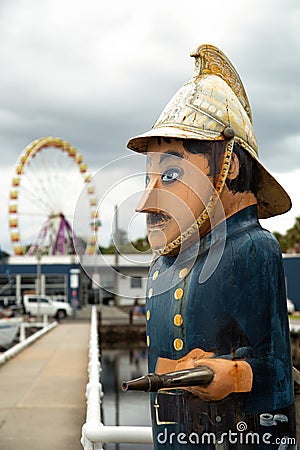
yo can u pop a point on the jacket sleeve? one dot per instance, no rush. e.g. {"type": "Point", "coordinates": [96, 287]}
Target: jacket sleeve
{"type": "Point", "coordinates": [258, 302]}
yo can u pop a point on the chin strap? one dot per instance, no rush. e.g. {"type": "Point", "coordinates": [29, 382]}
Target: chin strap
{"type": "Point", "coordinates": [210, 205]}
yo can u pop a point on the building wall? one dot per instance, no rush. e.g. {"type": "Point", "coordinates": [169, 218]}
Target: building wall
{"type": "Point", "coordinates": [57, 278]}
{"type": "Point", "coordinates": [54, 275]}
{"type": "Point", "coordinates": [127, 278]}
{"type": "Point", "coordinates": [132, 285]}
{"type": "Point", "coordinates": [131, 282]}
{"type": "Point", "coordinates": [291, 264]}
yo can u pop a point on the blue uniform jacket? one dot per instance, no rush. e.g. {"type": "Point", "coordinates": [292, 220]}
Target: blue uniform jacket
{"type": "Point", "coordinates": [225, 295]}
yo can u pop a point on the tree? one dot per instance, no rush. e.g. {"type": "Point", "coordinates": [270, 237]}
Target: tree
{"type": "Point", "coordinates": [125, 246]}
{"type": "Point", "coordinates": [141, 244]}
{"type": "Point", "coordinates": [290, 242]}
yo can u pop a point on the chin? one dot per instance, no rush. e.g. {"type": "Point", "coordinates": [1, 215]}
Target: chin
{"type": "Point", "coordinates": [158, 238]}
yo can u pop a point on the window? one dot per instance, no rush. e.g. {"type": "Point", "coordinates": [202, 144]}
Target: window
{"type": "Point", "coordinates": [136, 282]}
{"type": "Point", "coordinates": [56, 285]}
{"type": "Point", "coordinates": [107, 280]}
{"type": "Point", "coordinates": [55, 279]}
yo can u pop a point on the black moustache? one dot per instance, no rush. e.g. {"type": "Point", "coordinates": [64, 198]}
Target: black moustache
{"type": "Point", "coordinates": [155, 218]}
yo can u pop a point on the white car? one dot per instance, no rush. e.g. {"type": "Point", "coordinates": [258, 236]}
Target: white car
{"type": "Point", "coordinates": [37, 305]}
{"type": "Point", "coordinates": [290, 306]}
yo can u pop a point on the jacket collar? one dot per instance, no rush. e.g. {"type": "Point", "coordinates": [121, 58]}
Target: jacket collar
{"type": "Point", "coordinates": [242, 220]}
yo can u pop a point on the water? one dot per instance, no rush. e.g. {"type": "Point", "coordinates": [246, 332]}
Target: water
{"type": "Point", "coordinates": [124, 408]}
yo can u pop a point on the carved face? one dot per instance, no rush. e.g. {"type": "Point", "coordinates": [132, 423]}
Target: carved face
{"type": "Point", "coordinates": [178, 186]}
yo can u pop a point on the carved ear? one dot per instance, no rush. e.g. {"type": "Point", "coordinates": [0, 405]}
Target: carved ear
{"type": "Point", "coordinates": [234, 167]}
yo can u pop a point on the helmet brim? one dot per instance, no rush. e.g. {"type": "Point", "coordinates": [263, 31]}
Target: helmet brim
{"type": "Point", "coordinates": [272, 199]}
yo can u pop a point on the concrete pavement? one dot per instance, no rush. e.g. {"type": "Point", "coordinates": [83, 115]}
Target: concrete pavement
{"type": "Point", "coordinates": [42, 401]}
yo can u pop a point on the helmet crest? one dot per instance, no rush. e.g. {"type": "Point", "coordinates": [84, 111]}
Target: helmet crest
{"type": "Point", "coordinates": [213, 105]}
{"type": "Point", "coordinates": [210, 60]}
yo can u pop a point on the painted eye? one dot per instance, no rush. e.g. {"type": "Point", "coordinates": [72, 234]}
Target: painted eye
{"type": "Point", "coordinates": [171, 175]}
{"type": "Point", "coordinates": [147, 179]}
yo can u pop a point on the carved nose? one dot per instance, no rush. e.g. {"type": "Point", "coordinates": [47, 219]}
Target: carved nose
{"type": "Point", "coordinates": [149, 200]}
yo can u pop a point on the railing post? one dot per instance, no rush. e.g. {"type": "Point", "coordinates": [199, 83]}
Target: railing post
{"type": "Point", "coordinates": [94, 433]}
{"type": "Point", "coordinates": [22, 335]}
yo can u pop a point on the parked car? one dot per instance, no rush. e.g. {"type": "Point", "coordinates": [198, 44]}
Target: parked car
{"type": "Point", "coordinates": [37, 305]}
{"type": "Point", "coordinates": [290, 306]}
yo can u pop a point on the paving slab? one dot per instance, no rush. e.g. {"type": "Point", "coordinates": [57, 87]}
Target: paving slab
{"type": "Point", "coordinates": [42, 401]}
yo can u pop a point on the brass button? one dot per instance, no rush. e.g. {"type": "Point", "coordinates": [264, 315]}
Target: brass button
{"type": "Point", "coordinates": [150, 293]}
{"type": "Point", "coordinates": [155, 275]}
{"type": "Point", "coordinates": [178, 344]}
{"type": "Point", "coordinates": [183, 273]}
{"type": "Point", "coordinates": [148, 341]}
{"type": "Point", "coordinates": [178, 294]}
{"type": "Point", "coordinates": [148, 315]}
{"type": "Point", "coordinates": [178, 320]}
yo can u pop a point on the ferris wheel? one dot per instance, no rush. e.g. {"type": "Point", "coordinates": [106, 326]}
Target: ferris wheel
{"type": "Point", "coordinates": [49, 177]}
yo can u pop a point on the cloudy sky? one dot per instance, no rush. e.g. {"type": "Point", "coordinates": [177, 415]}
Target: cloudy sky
{"type": "Point", "coordinates": [96, 73]}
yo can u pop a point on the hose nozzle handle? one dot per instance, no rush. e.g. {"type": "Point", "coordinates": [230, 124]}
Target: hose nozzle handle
{"type": "Point", "coordinates": [197, 376]}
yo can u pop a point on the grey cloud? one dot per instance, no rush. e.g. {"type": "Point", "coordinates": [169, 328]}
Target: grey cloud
{"type": "Point", "coordinates": [96, 76]}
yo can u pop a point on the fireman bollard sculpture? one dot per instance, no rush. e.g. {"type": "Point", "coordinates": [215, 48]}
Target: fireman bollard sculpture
{"type": "Point", "coordinates": [216, 297]}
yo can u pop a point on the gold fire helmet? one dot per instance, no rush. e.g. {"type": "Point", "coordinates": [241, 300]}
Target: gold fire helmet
{"type": "Point", "coordinates": [213, 105]}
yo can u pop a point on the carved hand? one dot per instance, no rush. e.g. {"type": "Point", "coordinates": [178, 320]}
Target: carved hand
{"type": "Point", "coordinates": [230, 375]}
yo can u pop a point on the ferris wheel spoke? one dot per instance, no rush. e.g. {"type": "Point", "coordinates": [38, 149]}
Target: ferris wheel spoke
{"type": "Point", "coordinates": [38, 186]}
{"type": "Point", "coordinates": [38, 209]}
{"type": "Point", "coordinates": [31, 214]}
{"type": "Point", "coordinates": [35, 198]}
{"type": "Point", "coordinates": [51, 174]}
{"type": "Point", "coordinates": [33, 188]}
{"type": "Point", "coordinates": [42, 176]}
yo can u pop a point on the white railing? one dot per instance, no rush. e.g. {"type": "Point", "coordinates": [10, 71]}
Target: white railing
{"type": "Point", "coordinates": [36, 324]}
{"type": "Point", "coordinates": [94, 433]}
{"type": "Point", "coordinates": [13, 351]}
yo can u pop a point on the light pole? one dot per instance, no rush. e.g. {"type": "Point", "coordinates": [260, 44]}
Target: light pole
{"type": "Point", "coordinates": [38, 281]}
{"type": "Point", "coordinates": [116, 247]}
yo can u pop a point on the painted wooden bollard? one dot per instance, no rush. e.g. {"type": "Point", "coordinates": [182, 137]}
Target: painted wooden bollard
{"type": "Point", "coordinates": [216, 296]}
